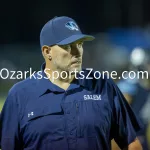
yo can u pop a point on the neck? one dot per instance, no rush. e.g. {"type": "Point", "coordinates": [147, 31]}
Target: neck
{"type": "Point", "coordinates": [62, 80]}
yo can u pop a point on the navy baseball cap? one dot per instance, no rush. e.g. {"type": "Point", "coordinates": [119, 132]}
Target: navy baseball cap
{"type": "Point", "coordinates": [61, 31]}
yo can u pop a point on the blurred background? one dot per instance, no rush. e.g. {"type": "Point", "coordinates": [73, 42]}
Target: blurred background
{"type": "Point", "coordinates": [122, 31]}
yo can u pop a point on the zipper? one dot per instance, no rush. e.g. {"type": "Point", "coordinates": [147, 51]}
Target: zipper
{"type": "Point", "coordinates": [78, 121]}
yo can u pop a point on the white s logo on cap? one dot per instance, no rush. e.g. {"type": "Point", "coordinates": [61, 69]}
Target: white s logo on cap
{"type": "Point", "coordinates": [72, 26]}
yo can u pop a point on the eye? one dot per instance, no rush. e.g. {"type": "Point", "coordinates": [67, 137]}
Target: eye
{"type": "Point", "coordinates": [66, 47]}
{"type": "Point", "coordinates": [80, 44]}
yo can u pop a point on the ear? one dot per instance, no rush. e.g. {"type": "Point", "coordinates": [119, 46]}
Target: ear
{"type": "Point", "coordinates": [46, 51]}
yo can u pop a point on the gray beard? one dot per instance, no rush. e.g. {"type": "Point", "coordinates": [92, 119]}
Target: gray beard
{"type": "Point", "coordinates": [60, 68]}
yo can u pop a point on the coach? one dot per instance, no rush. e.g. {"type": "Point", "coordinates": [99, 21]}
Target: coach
{"type": "Point", "coordinates": [70, 112]}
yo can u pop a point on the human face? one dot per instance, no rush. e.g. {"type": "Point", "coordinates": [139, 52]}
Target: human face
{"type": "Point", "coordinates": [67, 57]}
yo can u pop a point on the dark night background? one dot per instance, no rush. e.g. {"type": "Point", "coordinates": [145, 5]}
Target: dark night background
{"type": "Point", "coordinates": [21, 21]}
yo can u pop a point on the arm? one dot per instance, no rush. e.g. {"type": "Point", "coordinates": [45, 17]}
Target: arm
{"type": "Point", "coordinates": [135, 145]}
{"type": "Point", "coordinates": [114, 145]}
{"type": "Point", "coordinates": [125, 123]}
{"type": "Point", "coordinates": [9, 125]}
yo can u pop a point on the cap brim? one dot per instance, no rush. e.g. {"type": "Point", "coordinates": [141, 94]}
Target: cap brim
{"type": "Point", "coordinates": [74, 38]}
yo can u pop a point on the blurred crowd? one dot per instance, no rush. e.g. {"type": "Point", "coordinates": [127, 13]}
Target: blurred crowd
{"type": "Point", "coordinates": [137, 92]}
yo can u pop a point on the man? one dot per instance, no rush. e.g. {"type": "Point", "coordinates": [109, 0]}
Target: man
{"type": "Point", "coordinates": [67, 113]}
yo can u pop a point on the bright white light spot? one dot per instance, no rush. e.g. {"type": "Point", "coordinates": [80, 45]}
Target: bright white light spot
{"type": "Point", "coordinates": [137, 56]}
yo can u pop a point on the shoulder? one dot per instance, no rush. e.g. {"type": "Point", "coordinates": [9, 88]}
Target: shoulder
{"type": "Point", "coordinates": [22, 86]}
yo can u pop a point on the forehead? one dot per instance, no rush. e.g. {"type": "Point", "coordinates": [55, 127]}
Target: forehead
{"type": "Point", "coordinates": [76, 42]}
